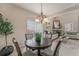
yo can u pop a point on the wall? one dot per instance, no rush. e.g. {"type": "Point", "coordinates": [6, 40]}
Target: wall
{"type": "Point", "coordinates": [18, 17]}
{"type": "Point", "coordinates": [68, 17]}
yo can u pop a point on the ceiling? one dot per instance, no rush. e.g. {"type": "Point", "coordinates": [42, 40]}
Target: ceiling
{"type": "Point", "coordinates": [48, 8]}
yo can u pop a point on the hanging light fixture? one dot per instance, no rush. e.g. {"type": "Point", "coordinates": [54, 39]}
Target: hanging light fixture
{"type": "Point", "coordinates": [42, 18]}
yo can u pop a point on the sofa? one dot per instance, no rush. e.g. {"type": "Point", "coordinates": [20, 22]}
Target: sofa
{"type": "Point", "coordinates": [72, 35]}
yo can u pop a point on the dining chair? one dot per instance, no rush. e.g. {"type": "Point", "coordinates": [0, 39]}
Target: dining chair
{"type": "Point", "coordinates": [53, 50]}
{"type": "Point", "coordinates": [17, 47]}
{"type": "Point", "coordinates": [56, 51]}
{"type": "Point", "coordinates": [29, 36]}
{"type": "Point", "coordinates": [27, 53]}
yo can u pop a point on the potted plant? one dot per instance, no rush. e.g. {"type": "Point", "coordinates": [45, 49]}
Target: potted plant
{"type": "Point", "coordinates": [5, 28]}
{"type": "Point", "coordinates": [38, 36]}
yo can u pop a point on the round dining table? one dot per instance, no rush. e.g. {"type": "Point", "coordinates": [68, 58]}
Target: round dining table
{"type": "Point", "coordinates": [32, 44]}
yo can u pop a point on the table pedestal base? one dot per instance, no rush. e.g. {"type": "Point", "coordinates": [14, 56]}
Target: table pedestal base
{"type": "Point", "coordinates": [39, 52]}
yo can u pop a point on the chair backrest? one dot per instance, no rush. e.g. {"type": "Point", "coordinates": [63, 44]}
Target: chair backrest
{"type": "Point", "coordinates": [56, 52]}
{"type": "Point", "coordinates": [17, 47]}
{"type": "Point", "coordinates": [28, 36]}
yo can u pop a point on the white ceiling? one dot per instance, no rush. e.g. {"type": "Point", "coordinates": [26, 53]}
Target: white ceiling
{"type": "Point", "coordinates": [48, 8]}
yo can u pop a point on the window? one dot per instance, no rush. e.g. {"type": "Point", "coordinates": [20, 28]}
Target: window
{"type": "Point", "coordinates": [31, 25]}
{"type": "Point", "coordinates": [34, 26]}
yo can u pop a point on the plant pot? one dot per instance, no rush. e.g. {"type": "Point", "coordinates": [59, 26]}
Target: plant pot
{"type": "Point", "coordinates": [5, 51]}
{"type": "Point", "coordinates": [38, 40]}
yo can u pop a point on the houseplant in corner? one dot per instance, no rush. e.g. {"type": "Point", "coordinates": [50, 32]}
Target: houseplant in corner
{"type": "Point", "coordinates": [38, 36]}
{"type": "Point", "coordinates": [5, 28]}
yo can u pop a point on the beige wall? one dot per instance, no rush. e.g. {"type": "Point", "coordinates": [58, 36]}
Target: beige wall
{"type": "Point", "coordinates": [18, 17]}
{"type": "Point", "coordinates": [69, 17]}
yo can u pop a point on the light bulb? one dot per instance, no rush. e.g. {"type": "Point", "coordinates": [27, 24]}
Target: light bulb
{"type": "Point", "coordinates": [46, 20]}
{"type": "Point", "coordinates": [37, 20]}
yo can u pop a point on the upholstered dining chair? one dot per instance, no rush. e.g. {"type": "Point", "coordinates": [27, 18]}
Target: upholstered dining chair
{"type": "Point", "coordinates": [29, 36]}
{"type": "Point", "coordinates": [27, 53]}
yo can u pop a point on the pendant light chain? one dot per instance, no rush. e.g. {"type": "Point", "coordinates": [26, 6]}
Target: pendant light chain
{"type": "Point", "coordinates": [41, 8]}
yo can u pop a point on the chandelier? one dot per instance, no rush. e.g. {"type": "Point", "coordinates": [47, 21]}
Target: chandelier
{"type": "Point", "coordinates": [42, 18]}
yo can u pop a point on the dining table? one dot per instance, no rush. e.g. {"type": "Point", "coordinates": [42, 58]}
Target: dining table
{"type": "Point", "coordinates": [33, 44]}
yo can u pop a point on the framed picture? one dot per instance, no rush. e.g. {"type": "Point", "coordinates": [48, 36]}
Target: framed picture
{"type": "Point", "coordinates": [69, 27]}
{"type": "Point", "coordinates": [56, 23]}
